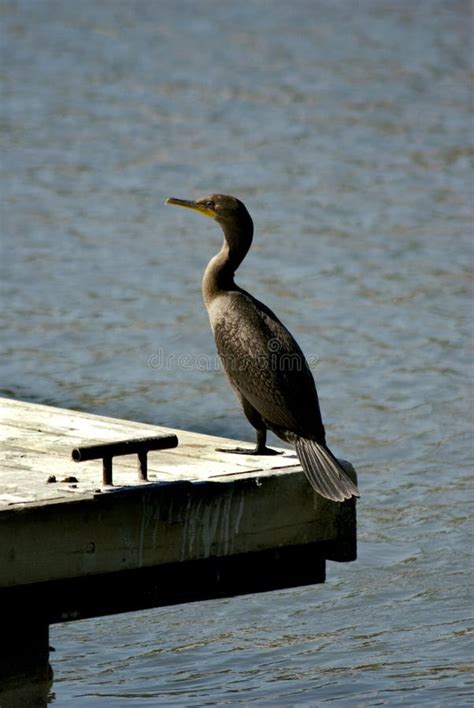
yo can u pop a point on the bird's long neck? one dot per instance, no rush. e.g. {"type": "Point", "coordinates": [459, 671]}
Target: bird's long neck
{"type": "Point", "coordinates": [219, 274]}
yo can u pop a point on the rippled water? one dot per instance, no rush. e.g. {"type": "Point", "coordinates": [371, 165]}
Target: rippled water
{"type": "Point", "coordinates": [345, 129]}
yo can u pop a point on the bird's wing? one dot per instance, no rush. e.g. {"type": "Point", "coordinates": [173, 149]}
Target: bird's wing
{"type": "Point", "coordinates": [266, 366]}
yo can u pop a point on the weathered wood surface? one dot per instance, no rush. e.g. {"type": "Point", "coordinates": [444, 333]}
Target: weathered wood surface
{"type": "Point", "coordinates": [36, 442]}
{"type": "Point", "coordinates": [198, 504]}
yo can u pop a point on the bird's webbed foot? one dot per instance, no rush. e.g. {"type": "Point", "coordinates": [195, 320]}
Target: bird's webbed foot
{"type": "Point", "coordinates": [259, 450]}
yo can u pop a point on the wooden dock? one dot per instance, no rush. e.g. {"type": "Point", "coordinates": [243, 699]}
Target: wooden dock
{"type": "Point", "coordinates": [205, 524]}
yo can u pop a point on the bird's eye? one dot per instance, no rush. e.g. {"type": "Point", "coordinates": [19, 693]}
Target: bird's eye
{"type": "Point", "coordinates": [209, 205]}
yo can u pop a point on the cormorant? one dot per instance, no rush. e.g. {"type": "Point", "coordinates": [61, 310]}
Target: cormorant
{"type": "Point", "coordinates": [264, 364]}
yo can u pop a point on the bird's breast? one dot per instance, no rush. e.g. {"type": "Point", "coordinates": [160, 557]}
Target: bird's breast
{"type": "Point", "coordinates": [228, 307]}
{"type": "Point", "coordinates": [217, 309]}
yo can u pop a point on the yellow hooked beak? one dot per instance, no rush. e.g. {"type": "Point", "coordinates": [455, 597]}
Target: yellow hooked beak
{"type": "Point", "coordinates": [195, 206]}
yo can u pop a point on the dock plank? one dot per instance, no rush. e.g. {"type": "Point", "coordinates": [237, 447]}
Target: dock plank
{"type": "Point", "coordinates": [39, 439]}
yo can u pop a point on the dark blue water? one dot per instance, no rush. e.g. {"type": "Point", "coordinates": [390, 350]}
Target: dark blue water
{"type": "Point", "coordinates": [345, 127]}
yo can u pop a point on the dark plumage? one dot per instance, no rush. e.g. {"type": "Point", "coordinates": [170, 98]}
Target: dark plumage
{"type": "Point", "coordinates": [264, 364]}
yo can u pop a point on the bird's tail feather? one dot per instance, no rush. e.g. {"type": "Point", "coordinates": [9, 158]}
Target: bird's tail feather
{"type": "Point", "coordinates": [323, 471]}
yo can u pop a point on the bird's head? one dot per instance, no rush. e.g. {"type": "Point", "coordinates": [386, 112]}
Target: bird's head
{"type": "Point", "coordinates": [227, 211]}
